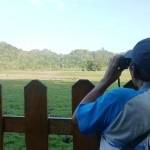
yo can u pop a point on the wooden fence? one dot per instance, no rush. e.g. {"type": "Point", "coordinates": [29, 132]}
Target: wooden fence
{"type": "Point", "coordinates": [37, 125]}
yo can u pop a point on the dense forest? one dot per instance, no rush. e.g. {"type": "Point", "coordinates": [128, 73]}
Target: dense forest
{"type": "Point", "coordinates": [12, 58]}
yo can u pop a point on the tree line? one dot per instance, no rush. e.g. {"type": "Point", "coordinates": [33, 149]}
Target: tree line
{"type": "Point", "coordinates": [12, 58]}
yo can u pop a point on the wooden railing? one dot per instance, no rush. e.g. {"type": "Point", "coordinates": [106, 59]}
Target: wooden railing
{"type": "Point", "coordinates": [37, 125]}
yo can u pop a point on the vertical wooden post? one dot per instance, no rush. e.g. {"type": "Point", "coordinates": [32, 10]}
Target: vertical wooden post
{"type": "Point", "coordinates": [1, 121]}
{"type": "Point", "coordinates": [36, 116]}
{"type": "Point", "coordinates": [82, 142]}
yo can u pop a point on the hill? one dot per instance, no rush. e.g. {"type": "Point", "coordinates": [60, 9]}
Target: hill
{"type": "Point", "coordinates": [12, 58]}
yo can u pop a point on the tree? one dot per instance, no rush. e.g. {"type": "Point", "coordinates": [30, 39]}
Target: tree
{"type": "Point", "coordinates": [90, 66]}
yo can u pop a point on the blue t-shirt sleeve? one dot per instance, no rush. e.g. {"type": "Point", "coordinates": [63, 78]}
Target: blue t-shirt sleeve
{"type": "Point", "coordinates": [95, 116]}
{"type": "Point", "coordinates": [92, 117]}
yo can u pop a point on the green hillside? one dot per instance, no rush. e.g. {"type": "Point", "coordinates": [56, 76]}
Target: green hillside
{"type": "Point", "coordinates": [12, 58]}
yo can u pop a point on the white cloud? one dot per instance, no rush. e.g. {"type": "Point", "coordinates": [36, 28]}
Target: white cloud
{"type": "Point", "coordinates": [58, 4]}
{"type": "Point", "coordinates": [36, 2]}
{"type": "Point", "coordinates": [61, 6]}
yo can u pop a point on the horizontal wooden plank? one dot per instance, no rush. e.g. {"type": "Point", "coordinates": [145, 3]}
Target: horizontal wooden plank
{"type": "Point", "coordinates": [14, 124]}
{"type": "Point", "coordinates": [60, 125]}
{"type": "Point", "coordinates": [56, 125]}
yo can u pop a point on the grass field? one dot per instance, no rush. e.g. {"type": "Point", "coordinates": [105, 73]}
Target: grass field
{"type": "Point", "coordinates": [57, 75]}
{"type": "Point", "coordinates": [59, 102]}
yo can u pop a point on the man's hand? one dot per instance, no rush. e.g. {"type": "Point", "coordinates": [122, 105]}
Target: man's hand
{"type": "Point", "coordinates": [113, 70]}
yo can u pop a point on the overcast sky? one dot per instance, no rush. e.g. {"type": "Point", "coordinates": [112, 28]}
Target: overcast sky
{"type": "Point", "coordinates": [64, 25]}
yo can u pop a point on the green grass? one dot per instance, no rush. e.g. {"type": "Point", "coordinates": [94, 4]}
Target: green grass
{"type": "Point", "coordinates": [59, 97]}
{"type": "Point", "coordinates": [59, 104]}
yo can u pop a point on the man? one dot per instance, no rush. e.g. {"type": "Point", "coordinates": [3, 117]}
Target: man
{"type": "Point", "coordinates": [102, 112]}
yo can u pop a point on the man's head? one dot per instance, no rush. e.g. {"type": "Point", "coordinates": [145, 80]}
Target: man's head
{"type": "Point", "coordinates": [140, 62]}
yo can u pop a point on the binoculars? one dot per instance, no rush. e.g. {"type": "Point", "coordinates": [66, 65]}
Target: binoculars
{"type": "Point", "coordinates": [124, 63]}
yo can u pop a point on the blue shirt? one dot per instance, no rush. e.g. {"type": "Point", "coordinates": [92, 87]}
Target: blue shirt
{"type": "Point", "coordinates": [95, 117]}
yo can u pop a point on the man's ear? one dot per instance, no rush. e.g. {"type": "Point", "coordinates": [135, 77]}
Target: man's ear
{"type": "Point", "coordinates": [134, 72]}
{"type": "Point", "coordinates": [134, 75]}
{"type": "Point", "coordinates": [131, 69]}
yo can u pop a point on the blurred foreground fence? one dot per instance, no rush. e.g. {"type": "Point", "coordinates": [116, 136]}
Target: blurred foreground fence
{"type": "Point", "coordinates": [37, 125]}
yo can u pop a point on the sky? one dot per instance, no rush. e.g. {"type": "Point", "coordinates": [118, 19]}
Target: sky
{"type": "Point", "coordinates": [65, 25]}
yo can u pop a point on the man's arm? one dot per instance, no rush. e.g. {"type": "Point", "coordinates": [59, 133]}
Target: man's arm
{"type": "Point", "coordinates": [110, 76]}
